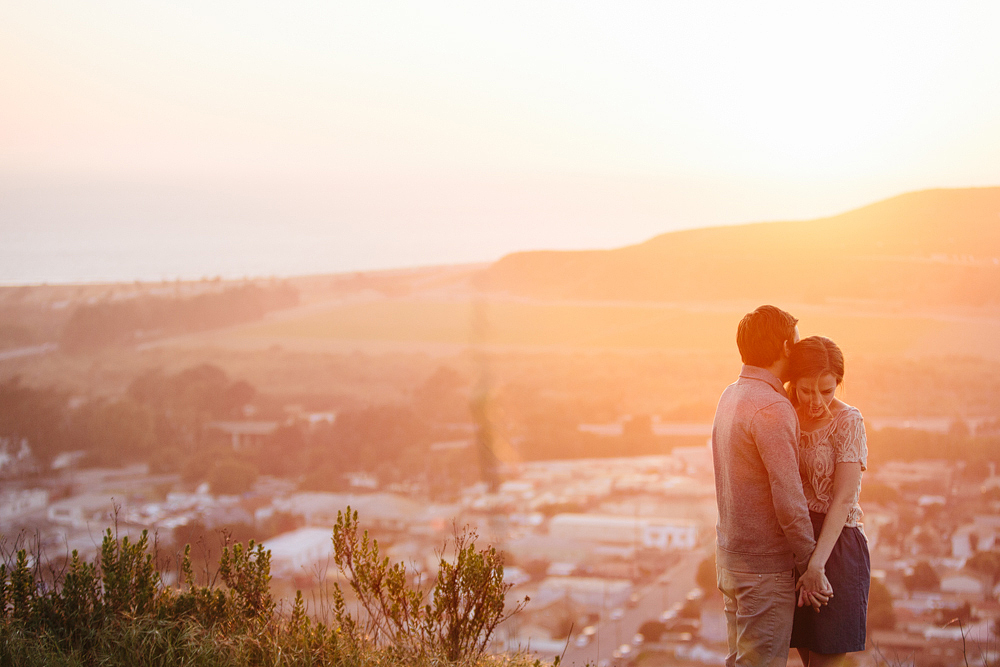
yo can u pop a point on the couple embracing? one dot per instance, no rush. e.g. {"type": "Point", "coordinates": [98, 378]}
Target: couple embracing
{"type": "Point", "coordinates": [792, 560]}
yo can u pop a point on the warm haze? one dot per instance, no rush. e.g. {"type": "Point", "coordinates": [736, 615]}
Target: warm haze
{"type": "Point", "coordinates": [184, 140]}
{"type": "Point", "coordinates": [473, 264]}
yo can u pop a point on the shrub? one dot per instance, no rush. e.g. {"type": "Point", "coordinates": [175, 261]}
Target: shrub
{"type": "Point", "coordinates": [466, 605]}
{"type": "Point", "coordinates": [117, 611]}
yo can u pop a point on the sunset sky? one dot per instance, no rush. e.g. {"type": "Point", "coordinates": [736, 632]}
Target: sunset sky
{"type": "Point", "coordinates": [155, 140]}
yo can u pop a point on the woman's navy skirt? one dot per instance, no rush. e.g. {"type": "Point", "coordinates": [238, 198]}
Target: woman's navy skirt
{"type": "Point", "coordinates": [839, 627]}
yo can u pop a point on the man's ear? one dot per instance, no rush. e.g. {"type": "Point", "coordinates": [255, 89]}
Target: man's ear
{"type": "Point", "coordinates": [788, 348]}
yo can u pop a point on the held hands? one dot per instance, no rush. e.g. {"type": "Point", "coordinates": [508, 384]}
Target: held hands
{"type": "Point", "coordinates": [814, 588]}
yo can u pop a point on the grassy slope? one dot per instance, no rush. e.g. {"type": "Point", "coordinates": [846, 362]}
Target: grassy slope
{"type": "Point", "coordinates": [913, 249]}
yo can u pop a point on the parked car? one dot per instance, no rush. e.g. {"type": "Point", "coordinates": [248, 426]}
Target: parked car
{"type": "Point", "coordinates": [623, 651]}
{"type": "Point", "coordinates": [695, 594]}
{"type": "Point", "coordinates": [671, 613]}
{"type": "Point", "coordinates": [681, 624]}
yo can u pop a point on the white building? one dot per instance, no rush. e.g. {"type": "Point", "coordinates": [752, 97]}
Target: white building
{"type": "Point", "coordinates": [914, 473]}
{"type": "Point", "coordinates": [962, 584]}
{"type": "Point", "coordinates": [983, 534]}
{"type": "Point", "coordinates": [673, 536]}
{"type": "Point", "coordinates": [244, 434]}
{"type": "Point", "coordinates": [385, 510]}
{"type": "Point", "coordinates": [652, 532]}
{"type": "Point", "coordinates": [590, 592]}
{"type": "Point", "coordinates": [303, 551]}
{"type": "Point", "coordinates": [78, 511]}
{"type": "Point", "coordinates": [14, 504]}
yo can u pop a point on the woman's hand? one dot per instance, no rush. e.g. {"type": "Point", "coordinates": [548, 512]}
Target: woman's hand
{"type": "Point", "coordinates": [814, 588]}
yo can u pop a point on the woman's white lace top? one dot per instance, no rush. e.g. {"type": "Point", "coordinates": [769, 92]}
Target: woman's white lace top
{"type": "Point", "coordinates": [840, 440]}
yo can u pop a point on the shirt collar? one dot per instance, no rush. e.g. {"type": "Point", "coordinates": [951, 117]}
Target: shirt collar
{"type": "Point", "coordinates": [758, 373]}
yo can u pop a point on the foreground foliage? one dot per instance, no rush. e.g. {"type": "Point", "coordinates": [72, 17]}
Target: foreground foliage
{"type": "Point", "coordinates": [455, 621]}
{"type": "Point", "coordinates": [117, 610]}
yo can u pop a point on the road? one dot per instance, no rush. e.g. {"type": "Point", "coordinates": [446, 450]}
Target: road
{"type": "Point", "coordinates": [32, 350]}
{"type": "Point", "coordinates": [668, 589]}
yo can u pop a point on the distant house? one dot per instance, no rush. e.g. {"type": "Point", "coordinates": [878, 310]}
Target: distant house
{"type": "Point", "coordinates": [515, 575]}
{"type": "Point", "coordinates": [588, 592]}
{"type": "Point", "coordinates": [673, 536]}
{"type": "Point", "coordinates": [532, 546]}
{"type": "Point", "coordinates": [695, 459]}
{"type": "Point", "coordinates": [300, 551]}
{"type": "Point", "coordinates": [651, 532]}
{"type": "Point", "coordinates": [381, 510]}
{"type": "Point", "coordinates": [244, 434]}
{"type": "Point", "coordinates": [914, 473]}
{"type": "Point", "coordinates": [15, 457]}
{"type": "Point", "coordinates": [16, 503]}
{"type": "Point", "coordinates": [983, 534]}
{"type": "Point", "coordinates": [962, 584]}
{"type": "Point", "coordinates": [226, 514]}
{"type": "Point", "coordinates": [78, 511]}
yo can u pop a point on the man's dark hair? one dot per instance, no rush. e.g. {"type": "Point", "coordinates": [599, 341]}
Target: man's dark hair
{"type": "Point", "coordinates": [762, 333]}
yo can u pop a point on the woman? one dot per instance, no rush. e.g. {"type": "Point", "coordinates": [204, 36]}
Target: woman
{"type": "Point", "coordinates": [832, 455]}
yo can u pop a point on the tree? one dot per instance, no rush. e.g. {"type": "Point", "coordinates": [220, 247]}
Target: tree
{"type": "Point", "coordinates": [35, 415]}
{"type": "Point", "coordinates": [652, 630]}
{"type": "Point", "coordinates": [121, 432]}
{"type": "Point", "coordinates": [987, 565]}
{"type": "Point", "coordinates": [961, 614]}
{"type": "Point", "coordinates": [232, 477]}
{"type": "Point", "coordinates": [874, 492]}
{"type": "Point", "coordinates": [705, 577]}
{"type": "Point", "coordinates": [637, 436]}
{"type": "Point", "coordinates": [881, 615]}
{"type": "Point", "coordinates": [283, 453]}
{"type": "Point", "coordinates": [923, 578]}
{"type": "Point", "coordinates": [111, 323]}
{"type": "Point", "coordinates": [443, 397]}
{"type": "Point", "coordinates": [536, 568]}
{"type": "Point", "coordinates": [367, 438]}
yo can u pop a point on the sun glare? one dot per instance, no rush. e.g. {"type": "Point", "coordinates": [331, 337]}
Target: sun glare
{"type": "Point", "coordinates": [809, 93]}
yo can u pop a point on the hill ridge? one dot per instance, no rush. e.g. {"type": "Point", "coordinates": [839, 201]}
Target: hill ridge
{"type": "Point", "coordinates": [948, 241]}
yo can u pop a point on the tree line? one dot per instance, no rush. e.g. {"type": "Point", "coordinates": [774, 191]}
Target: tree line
{"type": "Point", "coordinates": [123, 322]}
{"type": "Point", "coordinates": [168, 420]}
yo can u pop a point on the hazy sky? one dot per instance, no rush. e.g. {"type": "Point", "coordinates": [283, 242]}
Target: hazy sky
{"type": "Point", "coordinates": [144, 139]}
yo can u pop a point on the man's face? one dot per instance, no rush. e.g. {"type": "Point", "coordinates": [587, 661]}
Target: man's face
{"type": "Point", "coordinates": [786, 350]}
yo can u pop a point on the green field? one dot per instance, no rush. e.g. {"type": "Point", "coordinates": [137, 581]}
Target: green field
{"type": "Point", "coordinates": [615, 326]}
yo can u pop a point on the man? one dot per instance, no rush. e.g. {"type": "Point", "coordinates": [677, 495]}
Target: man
{"type": "Point", "coordinates": [764, 532]}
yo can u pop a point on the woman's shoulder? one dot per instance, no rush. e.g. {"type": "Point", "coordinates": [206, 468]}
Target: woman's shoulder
{"type": "Point", "coordinates": [849, 426]}
{"type": "Point", "coordinates": [847, 413]}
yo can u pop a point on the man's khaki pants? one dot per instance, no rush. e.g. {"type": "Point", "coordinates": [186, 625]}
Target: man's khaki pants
{"type": "Point", "coordinates": [759, 612]}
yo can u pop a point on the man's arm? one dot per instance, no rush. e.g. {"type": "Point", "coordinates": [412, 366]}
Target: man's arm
{"type": "Point", "coordinates": [775, 432]}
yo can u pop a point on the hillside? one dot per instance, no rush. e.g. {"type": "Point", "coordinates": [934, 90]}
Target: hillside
{"type": "Point", "coordinates": [928, 248]}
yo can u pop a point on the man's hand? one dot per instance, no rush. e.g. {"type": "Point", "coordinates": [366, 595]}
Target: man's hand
{"type": "Point", "coordinates": [814, 588]}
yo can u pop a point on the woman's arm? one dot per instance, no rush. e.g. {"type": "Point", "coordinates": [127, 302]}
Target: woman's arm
{"type": "Point", "coordinates": [846, 479]}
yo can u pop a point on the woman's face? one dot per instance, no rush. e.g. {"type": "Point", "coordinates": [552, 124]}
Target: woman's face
{"type": "Point", "coordinates": [814, 395]}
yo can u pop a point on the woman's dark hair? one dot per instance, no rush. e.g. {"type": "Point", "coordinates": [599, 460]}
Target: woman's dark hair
{"type": "Point", "coordinates": [762, 333]}
{"type": "Point", "coordinates": [813, 357]}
